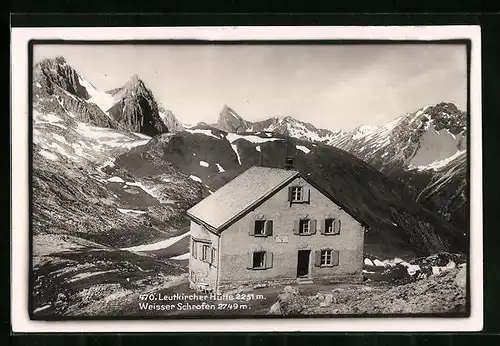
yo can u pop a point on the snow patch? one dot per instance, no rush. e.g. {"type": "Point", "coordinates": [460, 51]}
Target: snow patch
{"type": "Point", "coordinates": [204, 164]}
{"type": "Point", "coordinates": [48, 155]}
{"type": "Point", "coordinates": [235, 149]}
{"type": "Point", "coordinates": [195, 178]}
{"type": "Point", "coordinates": [368, 262]}
{"type": "Point", "coordinates": [103, 100]}
{"type": "Point", "coordinates": [435, 165]}
{"type": "Point", "coordinates": [231, 137]}
{"type": "Point", "coordinates": [116, 180]}
{"type": "Point", "coordinates": [133, 211]}
{"type": "Point", "coordinates": [42, 308]}
{"type": "Point", "coordinates": [258, 148]}
{"type": "Point", "coordinates": [219, 167]}
{"type": "Point", "coordinates": [378, 263]}
{"type": "Point", "coordinates": [144, 188]}
{"type": "Point", "coordinates": [203, 132]}
{"type": "Point", "coordinates": [157, 246]}
{"type": "Point", "coordinates": [303, 149]}
{"type": "Point", "coordinates": [181, 257]}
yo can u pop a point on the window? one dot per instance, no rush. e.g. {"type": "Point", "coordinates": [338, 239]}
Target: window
{"type": "Point", "coordinates": [304, 227]}
{"type": "Point", "coordinates": [326, 257]}
{"type": "Point", "coordinates": [259, 259]}
{"type": "Point", "coordinates": [260, 227]}
{"type": "Point", "coordinates": [332, 226]}
{"type": "Point", "coordinates": [204, 252]}
{"type": "Point", "coordinates": [297, 193]}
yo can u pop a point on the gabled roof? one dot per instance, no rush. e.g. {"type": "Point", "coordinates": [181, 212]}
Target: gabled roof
{"type": "Point", "coordinates": [233, 200]}
{"type": "Point", "coordinates": [239, 195]}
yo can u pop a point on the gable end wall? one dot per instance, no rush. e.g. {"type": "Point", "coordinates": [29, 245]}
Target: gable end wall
{"type": "Point", "coordinates": [237, 244]}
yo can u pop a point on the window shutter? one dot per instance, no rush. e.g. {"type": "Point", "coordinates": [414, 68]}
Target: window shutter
{"type": "Point", "coordinates": [289, 193]}
{"type": "Point", "coordinates": [296, 227]}
{"type": "Point", "coordinates": [251, 228]}
{"type": "Point", "coordinates": [336, 226]}
{"type": "Point", "coordinates": [213, 257]}
{"type": "Point", "coordinates": [313, 226]}
{"type": "Point", "coordinates": [193, 248]}
{"type": "Point", "coordinates": [269, 227]}
{"type": "Point", "coordinates": [209, 255]}
{"type": "Point", "coordinates": [308, 200]}
{"type": "Point", "coordinates": [339, 226]}
{"type": "Point", "coordinates": [317, 258]}
{"type": "Point", "coordinates": [250, 260]}
{"type": "Point", "coordinates": [335, 257]}
{"type": "Point", "coordinates": [269, 259]}
{"type": "Point", "coordinates": [323, 229]}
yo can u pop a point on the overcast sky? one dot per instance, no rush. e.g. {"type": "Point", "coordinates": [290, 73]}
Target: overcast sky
{"type": "Point", "coordinates": [330, 86]}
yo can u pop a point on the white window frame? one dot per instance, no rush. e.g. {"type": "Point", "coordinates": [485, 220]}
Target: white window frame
{"type": "Point", "coordinates": [326, 257]}
{"type": "Point", "coordinates": [307, 225]}
{"type": "Point", "coordinates": [297, 193]}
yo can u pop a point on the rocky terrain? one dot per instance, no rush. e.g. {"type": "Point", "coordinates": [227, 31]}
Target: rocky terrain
{"type": "Point", "coordinates": [442, 293]}
{"type": "Point", "coordinates": [88, 215]}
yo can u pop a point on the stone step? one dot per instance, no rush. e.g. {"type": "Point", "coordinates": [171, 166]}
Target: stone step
{"type": "Point", "coordinates": [304, 281]}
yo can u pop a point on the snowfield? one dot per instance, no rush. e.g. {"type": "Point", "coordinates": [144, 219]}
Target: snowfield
{"type": "Point", "coordinates": [157, 246]}
{"type": "Point", "coordinates": [204, 164]}
{"type": "Point", "coordinates": [232, 137]}
{"type": "Point", "coordinates": [435, 165]}
{"type": "Point", "coordinates": [103, 100]}
{"type": "Point", "coordinates": [181, 257]}
{"type": "Point", "coordinates": [203, 132]}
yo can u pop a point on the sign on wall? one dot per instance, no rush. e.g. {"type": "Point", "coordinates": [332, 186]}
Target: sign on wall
{"type": "Point", "coordinates": [281, 239]}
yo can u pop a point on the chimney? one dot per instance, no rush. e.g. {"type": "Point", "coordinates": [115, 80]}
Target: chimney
{"type": "Point", "coordinates": [289, 163]}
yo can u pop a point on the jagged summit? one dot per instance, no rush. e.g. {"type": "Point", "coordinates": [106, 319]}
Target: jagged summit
{"type": "Point", "coordinates": [56, 72]}
{"type": "Point", "coordinates": [131, 107]}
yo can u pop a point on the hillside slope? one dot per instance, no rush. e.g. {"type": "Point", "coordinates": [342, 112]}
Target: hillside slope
{"type": "Point", "coordinates": [399, 226]}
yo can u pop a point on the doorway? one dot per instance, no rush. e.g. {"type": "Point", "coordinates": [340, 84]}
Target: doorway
{"type": "Point", "coordinates": [303, 263]}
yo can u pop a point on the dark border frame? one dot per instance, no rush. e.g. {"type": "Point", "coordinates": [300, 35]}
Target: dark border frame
{"type": "Point", "coordinates": [466, 42]}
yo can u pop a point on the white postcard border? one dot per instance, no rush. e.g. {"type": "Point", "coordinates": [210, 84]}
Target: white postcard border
{"type": "Point", "coordinates": [19, 157]}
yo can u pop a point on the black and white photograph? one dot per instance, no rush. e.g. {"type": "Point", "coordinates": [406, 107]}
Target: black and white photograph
{"type": "Point", "coordinates": [215, 180]}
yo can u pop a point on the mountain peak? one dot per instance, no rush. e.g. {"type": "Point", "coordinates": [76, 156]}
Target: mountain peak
{"type": "Point", "coordinates": [57, 72]}
{"type": "Point", "coordinates": [134, 82]}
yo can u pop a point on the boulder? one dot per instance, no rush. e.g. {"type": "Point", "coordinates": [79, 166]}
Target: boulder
{"type": "Point", "coordinates": [276, 309]}
{"type": "Point", "coordinates": [368, 262]}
